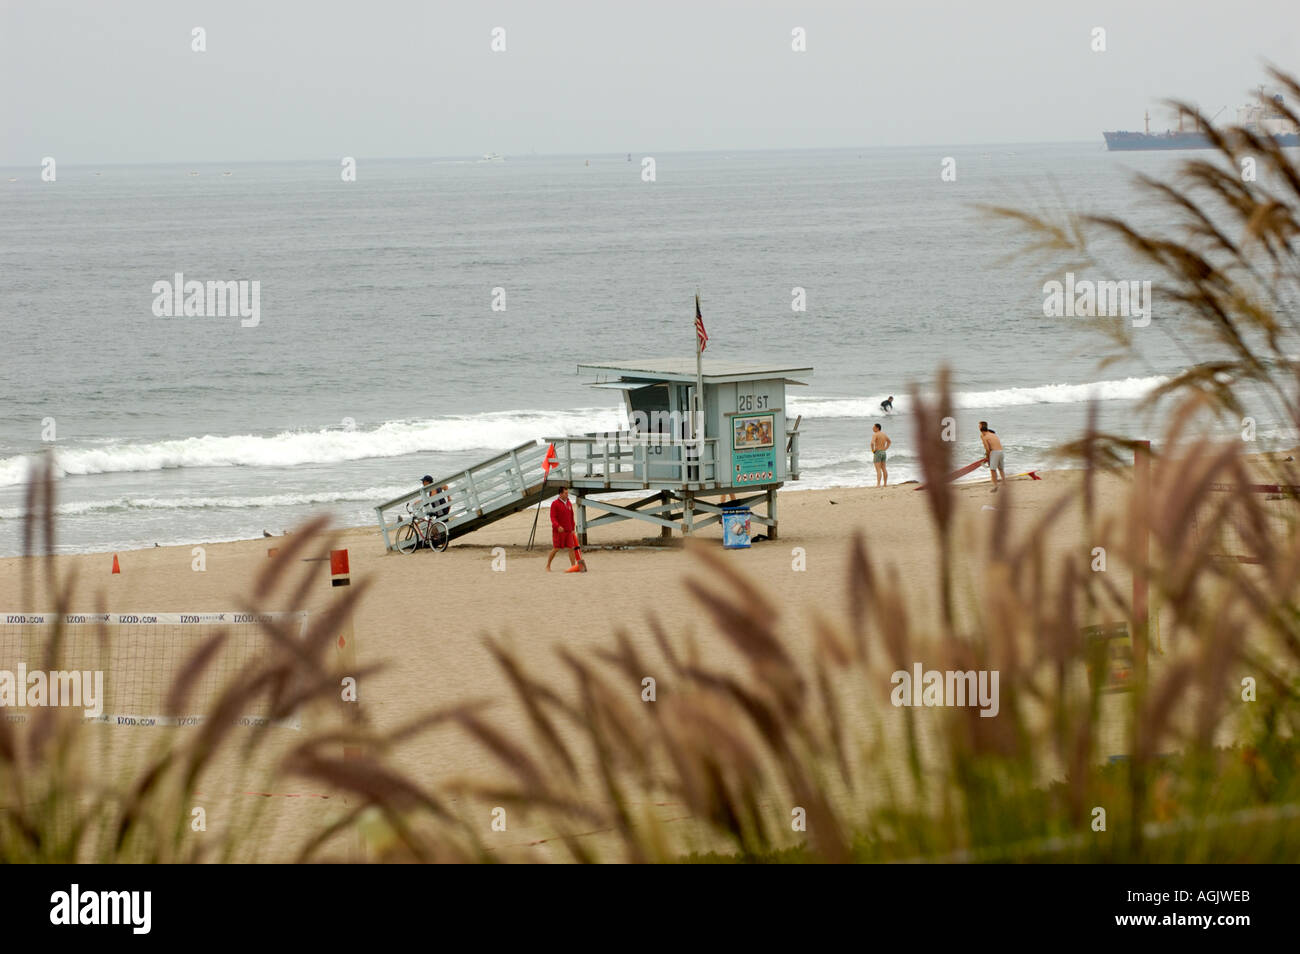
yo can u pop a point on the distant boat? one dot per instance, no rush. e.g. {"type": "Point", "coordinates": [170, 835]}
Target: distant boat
{"type": "Point", "coordinates": [227, 173]}
{"type": "Point", "coordinates": [492, 157]}
{"type": "Point", "coordinates": [1261, 119]}
{"type": "Point", "coordinates": [194, 173]}
{"type": "Point", "coordinates": [629, 157]}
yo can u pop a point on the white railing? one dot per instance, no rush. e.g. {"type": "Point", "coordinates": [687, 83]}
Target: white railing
{"type": "Point", "coordinates": [478, 491]}
{"type": "Point", "coordinates": [628, 458]}
{"type": "Point", "coordinates": [792, 448]}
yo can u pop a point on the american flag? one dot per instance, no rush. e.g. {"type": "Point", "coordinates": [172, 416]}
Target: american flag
{"type": "Point", "coordinates": [701, 335]}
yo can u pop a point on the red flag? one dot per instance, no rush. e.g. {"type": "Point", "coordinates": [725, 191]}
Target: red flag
{"type": "Point", "coordinates": [551, 460]}
{"type": "Point", "coordinates": [701, 336]}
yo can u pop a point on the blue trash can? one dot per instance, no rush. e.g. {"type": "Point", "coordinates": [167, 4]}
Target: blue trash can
{"type": "Point", "coordinates": [735, 528]}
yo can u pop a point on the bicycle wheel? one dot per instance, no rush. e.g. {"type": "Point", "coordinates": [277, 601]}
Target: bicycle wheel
{"type": "Point", "coordinates": [439, 536]}
{"type": "Point", "coordinates": [407, 540]}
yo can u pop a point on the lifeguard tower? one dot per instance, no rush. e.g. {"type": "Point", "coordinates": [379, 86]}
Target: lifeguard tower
{"type": "Point", "coordinates": [737, 441]}
{"type": "Point", "coordinates": [678, 453]}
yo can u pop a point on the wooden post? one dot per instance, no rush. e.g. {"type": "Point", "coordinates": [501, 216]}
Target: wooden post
{"type": "Point", "coordinates": [792, 450]}
{"type": "Point", "coordinates": [688, 511]}
{"type": "Point", "coordinates": [472, 490]}
{"type": "Point", "coordinates": [580, 518]}
{"type": "Point", "coordinates": [665, 533]}
{"type": "Point", "coordinates": [1141, 554]}
{"type": "Point", "coordinates": [771, 512]}
{"type": "Point", "coordinates": [517, 471]}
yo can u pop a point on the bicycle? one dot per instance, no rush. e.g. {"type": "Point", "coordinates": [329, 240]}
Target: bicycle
{"type": "Point", "coordinates": [422, 531]}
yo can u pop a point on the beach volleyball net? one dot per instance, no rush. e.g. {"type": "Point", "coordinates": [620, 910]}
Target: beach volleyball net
{"type": "Point", "coordinates": [1246, 522]}
{"type": "Point", "coordinates": [140, 656]}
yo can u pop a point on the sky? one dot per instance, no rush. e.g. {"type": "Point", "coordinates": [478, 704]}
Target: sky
{"type": "Point", "coordinates": [91, 82]}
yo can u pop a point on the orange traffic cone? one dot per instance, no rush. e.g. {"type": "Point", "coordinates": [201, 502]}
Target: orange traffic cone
{"type": "Point", "coordinates": [116, 568]}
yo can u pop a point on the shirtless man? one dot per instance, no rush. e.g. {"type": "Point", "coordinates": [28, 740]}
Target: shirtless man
{"type": "Point", "coordinates": [880, 443]}
{"type": "Point", "coordinates": [992, 453]}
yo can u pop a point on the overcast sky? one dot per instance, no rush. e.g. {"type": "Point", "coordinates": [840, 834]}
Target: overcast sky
{"type": "Point", "coordinates": [92, 81]}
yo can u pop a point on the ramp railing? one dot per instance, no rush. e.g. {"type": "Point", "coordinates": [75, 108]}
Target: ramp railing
{"type": "Point", "coordinates": [792, 448]}
{"type": "Point", "coordinates": [490, 489]}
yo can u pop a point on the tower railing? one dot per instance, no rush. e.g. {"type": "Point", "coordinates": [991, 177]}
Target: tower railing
{"type": "Point", "coordinates": [629, 459]}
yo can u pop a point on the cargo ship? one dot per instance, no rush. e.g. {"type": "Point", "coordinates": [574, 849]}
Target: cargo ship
{"type": "Point", "coordinates": [1261, 118]}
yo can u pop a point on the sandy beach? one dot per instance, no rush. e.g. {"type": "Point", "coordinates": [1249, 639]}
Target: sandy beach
{"type": "Point", "coordinates": [426, 615]}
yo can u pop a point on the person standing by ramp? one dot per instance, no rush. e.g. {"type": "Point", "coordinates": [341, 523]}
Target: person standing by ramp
{"type": "Point", "coordinates": [563, 533]}
{"type": "Point", "coordinates": [992, 453]}
{"type": "Point", "coordinates": [880, 443]}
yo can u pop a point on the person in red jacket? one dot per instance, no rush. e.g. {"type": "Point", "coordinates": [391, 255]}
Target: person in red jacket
{"type": "Point", "coordinates": [563, 535]}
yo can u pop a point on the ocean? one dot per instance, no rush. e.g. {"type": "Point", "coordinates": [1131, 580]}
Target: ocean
{"type": "Point", "coordinates": [377, 355]}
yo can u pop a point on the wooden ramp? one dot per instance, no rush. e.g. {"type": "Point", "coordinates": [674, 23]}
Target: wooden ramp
{"type": "Point", "coordinates": [484, 493]}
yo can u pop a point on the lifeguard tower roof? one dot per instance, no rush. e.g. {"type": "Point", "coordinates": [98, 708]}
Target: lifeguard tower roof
{"type": "Point", "coordinates": [683, 370]}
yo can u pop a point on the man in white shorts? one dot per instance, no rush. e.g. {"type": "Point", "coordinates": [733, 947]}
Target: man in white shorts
{"type": "Point", "coordinates": [992, 453]}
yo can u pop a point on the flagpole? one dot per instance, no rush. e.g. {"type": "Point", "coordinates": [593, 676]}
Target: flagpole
{"type": "Point", "coordinates": [546, 472]}
{"type": "Point", "coordinates": [537, 513]}
{"type": "Point", "coordinates": [696, 429]}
